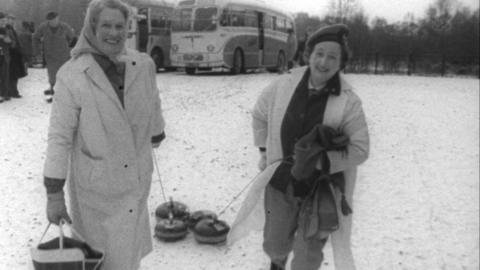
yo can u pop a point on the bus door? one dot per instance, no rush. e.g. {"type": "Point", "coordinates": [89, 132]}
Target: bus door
{"type": "Point", "coordinates": [132, 37]}
{"type": "Point", "coordinates": [261, 38]}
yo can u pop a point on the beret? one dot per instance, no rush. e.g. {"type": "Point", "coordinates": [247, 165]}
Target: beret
{"type": "Point", "coordinates": [11, 16]}
{"type": "Point", "coordinates": [51, 15]}
{"type": "Point", "coordinates": [336, 33]}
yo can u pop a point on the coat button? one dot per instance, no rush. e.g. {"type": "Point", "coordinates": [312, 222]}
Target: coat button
{"type": "Point", "coordinates": [120, 87]}
{"type": "Point", "coordinates": [125, 166]}
{"type": "Point", "coordinates": [134, 63]}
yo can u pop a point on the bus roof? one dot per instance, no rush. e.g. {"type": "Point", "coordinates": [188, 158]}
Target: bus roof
{"type": "Point", "coordinates": [152, 3]}
{"type": "Point", "coordinates": [257, 4]}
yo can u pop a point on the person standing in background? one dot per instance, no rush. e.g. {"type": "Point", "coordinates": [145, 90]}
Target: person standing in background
{"type": "Point", "coordinates": [5, 42]}
{"type": "Point", "coordinates": [54, 37]}
{"type": "Point", "coordinates": [17, 66]}
{"type": "Point", "coordinates": [25, 39]}
{"type": "Point", "coordinates": [301, 48]}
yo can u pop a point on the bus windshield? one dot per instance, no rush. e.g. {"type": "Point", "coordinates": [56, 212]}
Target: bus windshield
{"type": "Point", "coordinates": [183, 20]}
{"type": "Point", "coordinates": [205, 19]}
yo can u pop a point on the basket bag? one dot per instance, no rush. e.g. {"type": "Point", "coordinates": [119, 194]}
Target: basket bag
{"type": "Point", "coordinates": [64, 253]}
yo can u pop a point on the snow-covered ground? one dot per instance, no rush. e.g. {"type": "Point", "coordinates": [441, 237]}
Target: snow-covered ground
{"type": "Point", "coordinates": [416, 200]}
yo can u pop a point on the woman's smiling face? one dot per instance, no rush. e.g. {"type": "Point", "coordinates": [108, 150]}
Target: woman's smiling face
{"type": "Point", "coordinates": [325, 61]}
{"type": "Point", "coordinates": [111, 31]}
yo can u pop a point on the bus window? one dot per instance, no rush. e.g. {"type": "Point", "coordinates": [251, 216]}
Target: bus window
{"type": "Point", "coordinates": [280, 25]}
{"type": "Point", "coordinates": [205, 19]}
{"type": "Point", "coordinates": [268, 22]}
{"type": "Point", "coordinates": [159, 22]}
{"type": "Point", "coordinates": [183, 20]}
{"type": "Point", "coordinates": [238, 18]}
{"type": "Point", "coordinates": [224, 18]}
{"type": "Point", "coordinates": [251, 19]}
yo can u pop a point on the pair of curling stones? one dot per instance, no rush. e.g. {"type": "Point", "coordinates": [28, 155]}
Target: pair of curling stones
{"type": "Point", "coordinates": [174, 220]}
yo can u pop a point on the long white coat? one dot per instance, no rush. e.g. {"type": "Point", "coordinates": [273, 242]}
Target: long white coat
{"type": "Point", "coordinates": [104, 152]}
{"type": "Point", "coordinates": [343, 112]}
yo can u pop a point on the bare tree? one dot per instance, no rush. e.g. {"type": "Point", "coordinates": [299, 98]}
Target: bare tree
{"type": "Point", "coordinates": [343, 10]}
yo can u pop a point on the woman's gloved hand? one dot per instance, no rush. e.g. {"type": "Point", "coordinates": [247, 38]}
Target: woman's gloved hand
{"type": "Point", "coordinates": [56, 208]}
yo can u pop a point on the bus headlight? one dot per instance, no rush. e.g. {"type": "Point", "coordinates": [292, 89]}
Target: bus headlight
{"type": "Point", "coordinates": [210, 48]}
{"type": "Point", "coordinates": [175, 48]}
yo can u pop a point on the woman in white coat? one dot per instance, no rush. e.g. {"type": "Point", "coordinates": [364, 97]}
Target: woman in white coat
{"type": "Point", "coordinates": [105, 119]}
{"type": "Point", "coordinates": [311, 99]}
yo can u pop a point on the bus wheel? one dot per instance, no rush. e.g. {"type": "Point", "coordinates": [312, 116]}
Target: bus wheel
{"type": "Point", "coordinates": [157, 56]}
{"type": "Point", "coordinates": [237, 66]}
{"type": "Point", "coordinates": [190, 70]}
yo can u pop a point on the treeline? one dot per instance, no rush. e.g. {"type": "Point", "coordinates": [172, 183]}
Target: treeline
{"type": "Point", "coordinates": [445, 41]}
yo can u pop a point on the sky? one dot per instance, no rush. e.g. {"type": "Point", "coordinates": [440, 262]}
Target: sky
{"type": "Point", "coordinates": [391, 10]}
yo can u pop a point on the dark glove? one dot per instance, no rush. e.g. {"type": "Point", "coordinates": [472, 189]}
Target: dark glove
{"type": "Point", "coordinates": [56, 208]}
{"type": "Point", "coordinates": [330, 139]}
{"type": "Point", "coordinates": [312, 147]}
{"type": "Point", "coordinates": [301, 189]}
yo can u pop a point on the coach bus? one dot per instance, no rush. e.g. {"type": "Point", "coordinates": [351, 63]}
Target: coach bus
{"type": "Point", "coordinates": [149, 31]}
{"type": "Point", "coordinates": [231, 34]}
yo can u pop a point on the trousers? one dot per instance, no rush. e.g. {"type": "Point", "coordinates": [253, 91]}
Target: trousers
{"type": "Point", "coordinates": [283, 232]}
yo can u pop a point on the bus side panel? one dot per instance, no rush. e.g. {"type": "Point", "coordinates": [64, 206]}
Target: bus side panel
{"type": "Point", "coordinates": [249, 46]}
{"type": "Point", "coordinates": [274, 43]}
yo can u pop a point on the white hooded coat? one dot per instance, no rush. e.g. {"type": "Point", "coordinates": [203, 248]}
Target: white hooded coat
{"type": "Point", "coordinates": [104, 152]}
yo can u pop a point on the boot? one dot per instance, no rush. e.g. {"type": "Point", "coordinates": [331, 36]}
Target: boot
{"type": "Point", "coordinates": [49, 91]}
{"type": "Point", "coordinates": [275, 267]}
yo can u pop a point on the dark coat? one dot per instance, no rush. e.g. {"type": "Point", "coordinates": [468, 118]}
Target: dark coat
{"type": "Point", "coordinates": [17, 66]}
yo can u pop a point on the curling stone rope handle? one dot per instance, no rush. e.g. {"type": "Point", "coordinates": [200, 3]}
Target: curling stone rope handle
{"type": "Point", "coordinates": [158, 174]}
{"type": "Point", "coordinates": [238, 194]}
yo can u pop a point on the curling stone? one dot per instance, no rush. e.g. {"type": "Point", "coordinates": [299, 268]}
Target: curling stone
{"type": "Point", "coordinates": [196, 216]}
{"type": "Point", "coordinates": [170, 230]}
{"type": "Point", "coordinates": [211, 231]}
{"type": "Point", "coordinates": [177, 209]}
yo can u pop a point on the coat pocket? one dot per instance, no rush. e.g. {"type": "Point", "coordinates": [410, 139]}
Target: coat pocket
{"type": "Point", "coordinates": [90, 171]}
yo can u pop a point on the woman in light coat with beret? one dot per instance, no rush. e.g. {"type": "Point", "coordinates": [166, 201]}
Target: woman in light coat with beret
{"type": "Point", "coordinates": [105, 119]}
{"type": "Point", "coordinates": [311, 131]}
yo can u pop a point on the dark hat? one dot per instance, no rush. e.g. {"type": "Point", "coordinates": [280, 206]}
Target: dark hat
{"type": "Point", "coordinates": [336, 33]}
{"type": "Point", "coordinates": [2, 15]}
{"type": "Point", "coordinates": [52, 15]}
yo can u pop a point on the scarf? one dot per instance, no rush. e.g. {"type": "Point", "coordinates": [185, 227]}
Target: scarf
{"type": "Point", "coordinates": [88, 43]}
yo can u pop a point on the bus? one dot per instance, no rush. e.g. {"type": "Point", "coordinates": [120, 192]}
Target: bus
{"type": "Point", "coordinates": [149, 30]}
{"type": "Point", "coordinates": [231, 34]}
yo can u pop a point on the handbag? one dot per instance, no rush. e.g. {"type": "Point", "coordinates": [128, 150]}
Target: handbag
{"type": "Point", "coordinates": [64, 253]}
